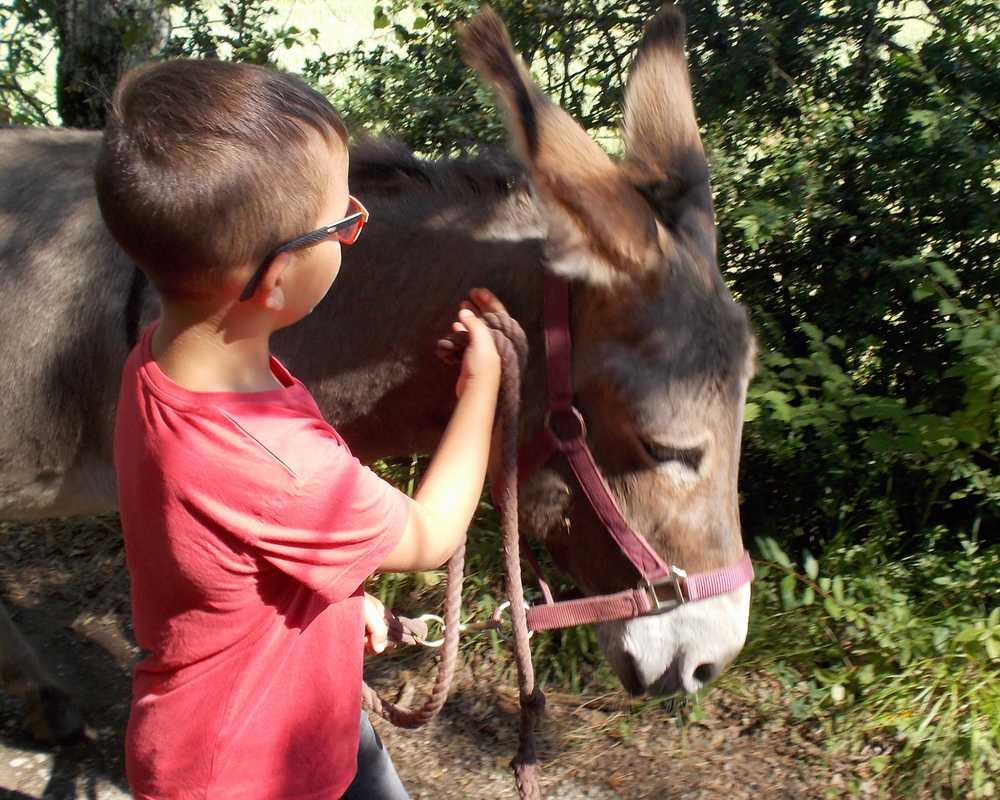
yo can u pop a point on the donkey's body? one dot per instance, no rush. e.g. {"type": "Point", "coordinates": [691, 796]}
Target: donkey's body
{"type": "Point", "coordinates": [661, 357]}
{"type": "Point", "coordinates": [367, 352]}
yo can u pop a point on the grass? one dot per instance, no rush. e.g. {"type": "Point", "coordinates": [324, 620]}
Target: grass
{"type": "Point", "coordinates": [897, 658]}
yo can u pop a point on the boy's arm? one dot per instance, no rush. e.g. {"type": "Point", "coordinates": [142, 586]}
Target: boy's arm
{"type": "Point", "coordinates": [444, 503]}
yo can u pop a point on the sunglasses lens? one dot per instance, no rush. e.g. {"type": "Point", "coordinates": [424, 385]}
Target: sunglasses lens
{"type": "Point", "coordinates": [350, 235]}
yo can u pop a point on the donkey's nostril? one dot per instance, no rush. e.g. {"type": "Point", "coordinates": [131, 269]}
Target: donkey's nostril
{"type": "Point", "coordinates": [705, 673]}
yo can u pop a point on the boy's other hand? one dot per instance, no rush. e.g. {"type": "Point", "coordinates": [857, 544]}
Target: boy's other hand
{"type": "Point", "coordinates": [376, 629]}
{"type": "Point", "coordinates": [480, 361]}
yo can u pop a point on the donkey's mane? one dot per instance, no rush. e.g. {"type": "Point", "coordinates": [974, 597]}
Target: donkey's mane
{"type": "Point", "coordinates": [388, 166]}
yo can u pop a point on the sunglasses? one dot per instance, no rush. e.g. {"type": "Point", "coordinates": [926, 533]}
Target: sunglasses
{"type": "Point", "coordinates": [345, 231]}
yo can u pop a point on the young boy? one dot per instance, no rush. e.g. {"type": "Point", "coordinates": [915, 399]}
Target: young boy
{"type": "Point", "coordinates": [249, 527]}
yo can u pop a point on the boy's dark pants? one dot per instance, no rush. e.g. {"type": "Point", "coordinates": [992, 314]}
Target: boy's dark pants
{"type": "Point", "coordinates": [376, 778]}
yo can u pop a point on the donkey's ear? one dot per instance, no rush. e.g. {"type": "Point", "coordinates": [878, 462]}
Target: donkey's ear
{"type": "Point", "coordinates": [665, 156]}
{"type": "Point", "coordinates": [600, 227]}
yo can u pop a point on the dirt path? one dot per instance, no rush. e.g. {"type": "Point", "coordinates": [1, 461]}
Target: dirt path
{"type": "Point", "coordinates": [65, 585]}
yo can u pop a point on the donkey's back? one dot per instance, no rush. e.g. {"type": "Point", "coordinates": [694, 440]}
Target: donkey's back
{"type": "Point", "coordinates": [63, 327]}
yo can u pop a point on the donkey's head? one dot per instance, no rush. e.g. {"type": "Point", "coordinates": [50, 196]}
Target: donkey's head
{"type": "Point", "coordinates": [662, 354]}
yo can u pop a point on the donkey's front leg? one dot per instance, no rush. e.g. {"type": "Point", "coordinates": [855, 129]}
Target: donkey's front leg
{"type": "Point", "coordinates": [50, 713]}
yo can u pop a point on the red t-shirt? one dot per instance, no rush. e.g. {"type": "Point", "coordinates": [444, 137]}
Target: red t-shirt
{"type": "Point", "coordinates": [249, 528]}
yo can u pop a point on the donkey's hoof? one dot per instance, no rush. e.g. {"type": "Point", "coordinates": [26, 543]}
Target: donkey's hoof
{"type": "Point", "coordinates": [55, 718]}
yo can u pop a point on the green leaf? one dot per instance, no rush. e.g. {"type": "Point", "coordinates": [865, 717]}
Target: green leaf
{"type": "Point", "coordinates": [811, 566]}
{"type": "Point", "coordinates": [810, 330]}
{"type": "Point", "coordinates": [945, 275]}
{"type": "Point", "coordinates": [751, 230]}
{"type": "Point", "coordinates": [923, 291]}
{"type": "Point", "coordinates": [779, 555]}
{"type": "Point", "coordinates": [948, 307]}
{"type": "Point", "coordinates": [967, 634]}
{"type": "Point", "coordinates": [788, 592]}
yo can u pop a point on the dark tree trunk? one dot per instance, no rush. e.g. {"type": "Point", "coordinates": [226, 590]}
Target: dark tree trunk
{"type": "Point", "coordinates": [98, 41]}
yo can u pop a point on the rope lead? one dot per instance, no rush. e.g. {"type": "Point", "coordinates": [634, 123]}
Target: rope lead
{"type": "Point", "coordinates": [512, 346]}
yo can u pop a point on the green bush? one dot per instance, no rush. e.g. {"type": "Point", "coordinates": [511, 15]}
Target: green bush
{"type": "Point", "coordinates": [872, 462]}
{"type": "Point", "coordinates": [900, 655]}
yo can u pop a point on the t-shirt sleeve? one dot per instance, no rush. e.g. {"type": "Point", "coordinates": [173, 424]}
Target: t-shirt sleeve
{"type": "Point", "coordinates": [335, 524]}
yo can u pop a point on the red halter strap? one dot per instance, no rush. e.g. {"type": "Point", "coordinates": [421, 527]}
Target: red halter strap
{"type": "Point", "coordinates": [565, 432]}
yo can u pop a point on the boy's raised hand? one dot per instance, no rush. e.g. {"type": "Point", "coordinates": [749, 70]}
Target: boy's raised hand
{"type": "Point", "coordinates": [480, 361]}
{"type": "Point", "coordinates": [448, 495]}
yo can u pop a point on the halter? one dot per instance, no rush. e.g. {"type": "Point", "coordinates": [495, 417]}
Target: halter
{"type": "Point", "coordinates": [564, 431]}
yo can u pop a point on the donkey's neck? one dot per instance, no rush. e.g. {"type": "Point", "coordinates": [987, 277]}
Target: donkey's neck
{"type": "Point", "coordinates": [368, 350]}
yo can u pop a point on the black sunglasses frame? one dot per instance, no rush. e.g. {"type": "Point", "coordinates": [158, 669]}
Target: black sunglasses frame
{"type": "Point", "coordinates": [308, 240]}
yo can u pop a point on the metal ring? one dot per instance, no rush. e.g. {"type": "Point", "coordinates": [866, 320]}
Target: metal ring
{"type": "Point", "coordinates": [495, 618]}
{"type": "Point", "coordinates": [498, 612]}
{"type": "Point", "coordinates": [431, 618]}
{"type": "Point", "coordinates": [575, 415]}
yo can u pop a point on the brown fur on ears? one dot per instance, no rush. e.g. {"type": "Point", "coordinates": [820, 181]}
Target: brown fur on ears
{"type": "Point", "coordinates": [660, 129]}
{"type": "Point", "coordinates": [601, 228]}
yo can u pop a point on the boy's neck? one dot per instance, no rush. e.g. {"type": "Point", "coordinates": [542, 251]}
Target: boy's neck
{"type": "Point", "coordinates": [208, 349]}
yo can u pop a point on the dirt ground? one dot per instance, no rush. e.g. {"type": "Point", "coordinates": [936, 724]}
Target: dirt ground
{"type": "Point", "coordinates": [65, 585]}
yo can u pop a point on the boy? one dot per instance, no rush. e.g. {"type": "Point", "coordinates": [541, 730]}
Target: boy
{"type": "Point", "coordinates": [249, 527]}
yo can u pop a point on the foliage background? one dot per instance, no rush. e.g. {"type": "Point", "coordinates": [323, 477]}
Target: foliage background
{"type": "Point", "coordinates": [854, 146]}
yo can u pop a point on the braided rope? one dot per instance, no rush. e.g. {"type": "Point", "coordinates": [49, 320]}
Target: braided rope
{"type": "Point", "coordinates": [512, 345]}
{"type": "Point", "coordinates": [402, 716]}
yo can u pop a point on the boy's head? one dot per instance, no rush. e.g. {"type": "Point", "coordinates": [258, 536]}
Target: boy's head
{"type": "Point", "coordinates": [207, 166]}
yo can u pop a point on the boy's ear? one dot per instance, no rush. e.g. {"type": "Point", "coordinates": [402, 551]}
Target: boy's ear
{"type": "Point", "coordinates": [270, 290]}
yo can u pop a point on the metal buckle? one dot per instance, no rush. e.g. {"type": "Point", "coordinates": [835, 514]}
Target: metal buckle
{"type": "Point", "coordinates": [674, 578]}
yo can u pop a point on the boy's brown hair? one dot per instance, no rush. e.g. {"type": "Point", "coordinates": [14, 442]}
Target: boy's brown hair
{"type": "Point", "coordinates": [206, 165]}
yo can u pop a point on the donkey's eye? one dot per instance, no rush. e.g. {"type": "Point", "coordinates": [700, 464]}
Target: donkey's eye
{"type": "Point", "coordinates": [689, 457]}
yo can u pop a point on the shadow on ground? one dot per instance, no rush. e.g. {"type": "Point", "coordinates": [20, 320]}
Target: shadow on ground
{"type": "Point", "coordinates": [65, 587]}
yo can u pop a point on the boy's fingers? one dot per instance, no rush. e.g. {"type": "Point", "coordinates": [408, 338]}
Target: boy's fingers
{"type": "Point", "coordinates": [480, 336]}
{"type": "Point", "coordinates": [487, 301]}
{"type": "Point", "coordinates": [377, 631]}
{"type": "Point", "coordinates": [475, 326]}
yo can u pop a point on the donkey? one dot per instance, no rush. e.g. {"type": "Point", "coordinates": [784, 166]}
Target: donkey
{"type": "Point", "coordinates": [660, 367]}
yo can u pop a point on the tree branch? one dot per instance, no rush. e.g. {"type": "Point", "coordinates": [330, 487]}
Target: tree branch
{"type": "Point", "coordinates": [10, 84]}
